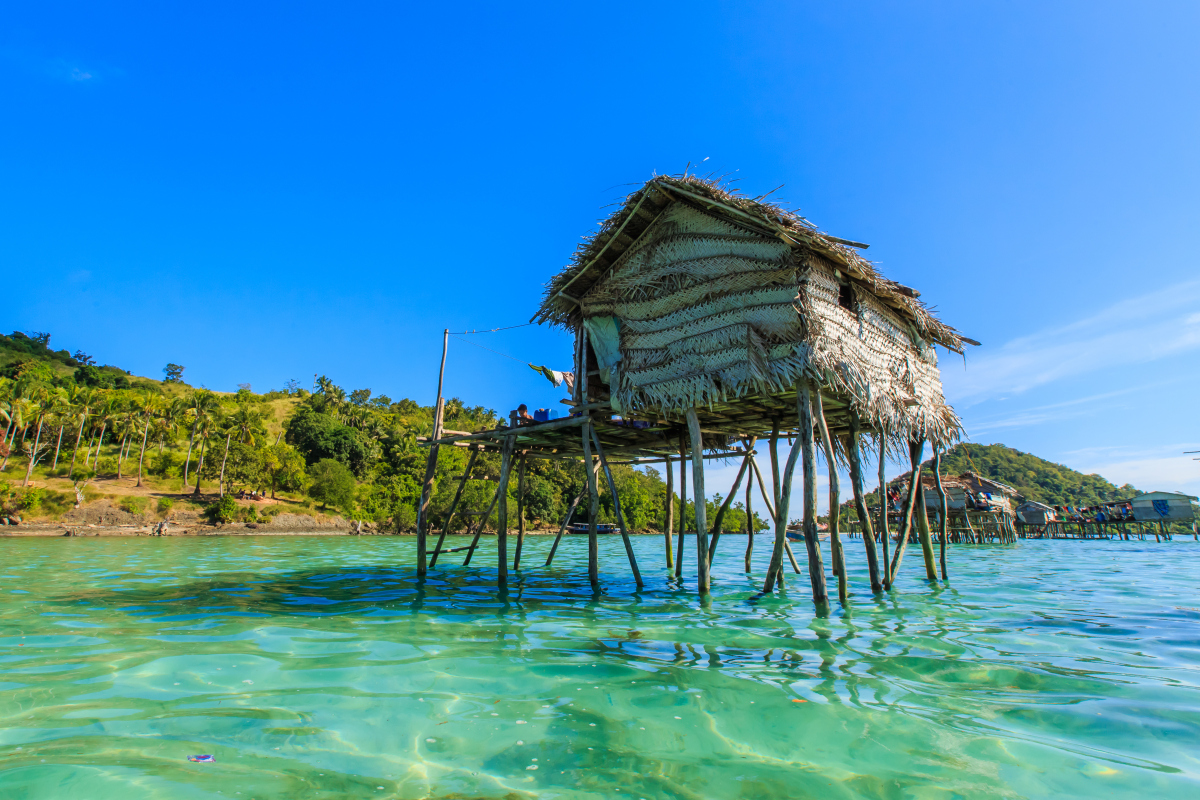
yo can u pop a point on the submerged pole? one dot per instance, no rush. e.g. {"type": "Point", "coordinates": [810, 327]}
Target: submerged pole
{"type": "Point", "coordinates": [682, 506]}
{"type": "Point", "coordinates": [612, 487]}
{"type": "Point", "coordinates": [914, 485]}
{"type": "Point", "coordinates": [805, 440]}
{"type": "Point", "coordinates": [835, 540]}
{"type": "Point", "coordinates": [520, 513]}
{"type": "Point", "coordinates": [750, 523]}
{"type": "Point", "coordinates": [700, 501]}
{"type": "Point", "coordinates": [860, 502]}
{"type": "Point", "coordinates": [431, 464]}
{"type": "Point", "coordinates": [884, 534]}
{"type": "Point", "coordinates": [669, 516]}
{"type": "Point", "coordinates": [944, 523]}
{"type": "Point", "coordinates": [506, 459]}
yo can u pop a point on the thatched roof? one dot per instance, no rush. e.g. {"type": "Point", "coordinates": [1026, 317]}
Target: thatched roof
{"type": "Point", "coordinates": [596, 255]}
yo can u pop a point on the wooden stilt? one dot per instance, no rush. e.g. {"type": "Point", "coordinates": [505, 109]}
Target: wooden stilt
{"type": "Point", "coordinates": [718, 521]}
{"type": "Point", "coordinates": [682, 506]}
{"type": "Point", "coordinates": [860, 503]}
{"type": "Point", "coordinates": [561, 528]}
{"type": "Point", "coordinates": [462, 485]}
{"type": "Point", "coordinates": [925, 536]}
{"type": "Point", "coordinates": [698, 493]}
{"type": "Point", "coordinates": [787, 547]}
{"type": "Point", "coordinates": [750, 524]}
{"type": "Point", "coordinates": [520, 513]}
{"type": "Point", "coordinates": [944, 517]}
{"type": "Point", "coordinates": [782, 496]}
{"type": "Point", "coordinates": [808, 446]}
{"type": "Point", "coordinates": [669, 527]}
{"type": "Point", "coordinates": [593, 508]}
{"type": "Point", "coordinates": [479, 527]}
{"type": "Point", "coordinates": [906, 519]}
{"type": "Point", "coordinates": [885, 535]}
{"type": "Point", "coordinates": [612, 487]}
{"type": "Point", "coordinates": [506, 459]}
{"type": "Point", "coordinates": [835, 508]}
{"type": "Point", "coordinates": [430, 465]}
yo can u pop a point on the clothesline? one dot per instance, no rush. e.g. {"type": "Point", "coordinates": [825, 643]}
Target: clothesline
{"type": "Point", "coordinates": [491, 330]}
{"type": "Point", "coordinates": [497, 352]}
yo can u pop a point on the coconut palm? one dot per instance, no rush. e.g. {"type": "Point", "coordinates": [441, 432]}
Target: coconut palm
{"type": "Point", "coordinates": [107, 410]}
{"type": "Point", "coordinates": [204, 427]}
{"type": "Point", "coordinates": [60, 409]}
{"type": "Point", "coordinates": [83, 401]}
{"type": "Point", "coordinates": [201, 404]}
{"type": "Point", "coordinates": [147, 406]}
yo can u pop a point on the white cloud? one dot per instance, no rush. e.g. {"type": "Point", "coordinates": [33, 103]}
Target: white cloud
{"type": "Point", "coordinates": [1166, 468]}
{"type": "Point", "coordinates": [1133, 331]}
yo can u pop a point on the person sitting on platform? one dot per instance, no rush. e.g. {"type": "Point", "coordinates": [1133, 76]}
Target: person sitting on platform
{"type": "Point", "coordinates": [523, 415]}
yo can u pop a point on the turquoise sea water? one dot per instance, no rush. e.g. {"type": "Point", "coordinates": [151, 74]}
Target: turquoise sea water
{"type": "Point", "coordinates": [318, 667]}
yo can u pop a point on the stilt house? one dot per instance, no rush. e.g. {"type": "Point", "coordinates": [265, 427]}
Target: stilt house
{"type": "Point", "coordinates": [703, 319]}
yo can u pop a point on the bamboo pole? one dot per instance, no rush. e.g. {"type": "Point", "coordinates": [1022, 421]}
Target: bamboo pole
{"type": "Point", "coordinates": [702, 576]}
{"type": "Point", "coordinates": [593, 493]}
{"type": "Point", "coordinates": [944, 522]}
{"type": "Point", "coordinates": [860, 503]}
{"type": "Point", "coordinates": [816, 568]}
{"type": "Point", "coordinates": [431, 464]}
{"type": "Point", "coordinates": [520, 513]}
{"type": "Point", "coordinates": [682, 506]}
{"type": "Point", "coordinates": [835, 540]}
{"type": "Point", "coordinates": [787, 547]}
{"type": "Point", "coordinates": [506, 459]}
{"type": "Point", "coordinates": [907, 518]}
{"type": "Point", "coordinates": [669, 526]}
{"type": "Point", "coordinates": [612, 487]}
{"type": "Point", "coordinates": [462, 485]}
{"type": "Point", "coordinates": [750, 524]}
{"type": "Point", "coordinates": [884, 534]}
{"type": "Point", "coordinates": [720, 518]}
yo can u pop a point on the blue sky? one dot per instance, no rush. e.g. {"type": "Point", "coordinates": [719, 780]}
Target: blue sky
{"type": "Point", "coordinates": [267, 191]}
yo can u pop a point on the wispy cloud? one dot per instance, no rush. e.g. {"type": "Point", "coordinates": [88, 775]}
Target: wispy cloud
{"type": "Point", "coordinates": [1133, 331]}
{"type": "Point", "coordinates": [1052, 412]}
{"type": "Point", "coordinates": [1164, 467]}
{"type": "Point", "coordinates": [57, 68]}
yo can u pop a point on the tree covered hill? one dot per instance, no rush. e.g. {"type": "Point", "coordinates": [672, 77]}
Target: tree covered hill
{"type": "Point", "coordinates": [1035, 478]}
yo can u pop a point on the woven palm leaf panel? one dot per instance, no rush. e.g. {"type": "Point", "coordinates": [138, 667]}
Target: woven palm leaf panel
{"type": "Point", "coordinates": [701, 310]}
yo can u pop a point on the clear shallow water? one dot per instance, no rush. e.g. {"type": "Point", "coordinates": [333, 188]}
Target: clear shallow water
{"type": "Point", "coordinates": [319, 668]}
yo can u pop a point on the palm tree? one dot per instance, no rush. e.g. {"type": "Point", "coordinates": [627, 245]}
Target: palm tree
{"type": "Point", "coordinates": [201, 404]}
{"type": "Point", "coordinates": [20, 410]}
{"type": "Point", "coordinates": [60, 407]}
{"type": "Point", "coordinates": [82, 402]}
{"type": "Point", "coordinates": [147, 405]}
{"type": "Point", "coordinates": [109, 407]}
{"type": "Point", "coordinates": [40, 407]}
{"type": "Point", "coordinates": [204, 427]}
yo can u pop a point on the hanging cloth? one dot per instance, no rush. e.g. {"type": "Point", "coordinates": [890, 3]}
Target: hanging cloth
{"type": "Point", "coordinates": [555, 377]}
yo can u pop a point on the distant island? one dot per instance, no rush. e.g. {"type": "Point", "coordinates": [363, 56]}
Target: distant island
{"type": "Point", "coordinates": [91, 445]}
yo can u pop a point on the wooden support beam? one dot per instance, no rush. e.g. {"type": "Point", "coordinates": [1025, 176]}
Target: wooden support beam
{"type": "Point", "coordinates": [835, 540]}
{"type": "Point", "coordinates": [906, 520]}
{"type": "Point", "coordinates": [884, 534]}
{"type": "Point", "coordinates": [426, 484]}
{"type": "Point", "coordinates": [749, 520]}
{"type": "Point", "coordinates": [944, 516]}
{"type": "Point", "coordinates": [561, 528]}
{"type": "Point", "coordinates": [612, 487]}
{"type": "Point", "coordinates": [454, 505]}
{"type": "Point", "coordinates": [479, 526]}
{"type": "Point", "coordinates": [682, 506]}
{"type": "Point", "coordinates": [807, 444]}
{"type": "Point", "coordinates": [520, 513]}
{"type": "Point", "coordinates": [854, 451]}
{"type": "Point", "coordinates": [506, 459]}
{"type": "Point", "coordinates": [720, 518]}
{"type": "Point", "coordinates": [702, 577]}
{"type": "Point", "coordinates": [669, 514]}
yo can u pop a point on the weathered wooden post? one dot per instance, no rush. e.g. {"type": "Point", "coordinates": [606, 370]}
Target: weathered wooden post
{"type": "Point", "coordinates": [616, 498]}
{"type": "Point", "coordinates": [835, 541]}
{"type": "Point", "coordinates": [669, 527]}
{"type": "Point", "coordinates": [520, 513]}
{"type": "Point", "coordinates": [749, 524]}
{"type": "Point", "coordinates": [430, 465]}
{"type": "Point", "coordinates": [462, 485]}
{"type": "Point", "coordinates": [915, 450]}
{"type": "Point", "coordinates": [700, 501]}
{"type": "Point", "coordinates": [860, 502]}
{"type": "Point", "coordinates": [719, 520]}
{"type": "Point", "coordinates": [945, 505]}
{"type": "Point", "coordinates": [805, 440]}
{"type": "Point", "coordinates": [506, 459]}
{"type": "Point", "coordinates": [884, 534]}
{"type": "Point", "coordinates": [782, 501]}
{"type": "Point", "coordinates": [589, 467]}
{"type": "Point", "coordinates": [682, 506]}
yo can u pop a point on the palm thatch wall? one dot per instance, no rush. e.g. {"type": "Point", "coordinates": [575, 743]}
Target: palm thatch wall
{"type": "Point", "coordinates": [710, 296]}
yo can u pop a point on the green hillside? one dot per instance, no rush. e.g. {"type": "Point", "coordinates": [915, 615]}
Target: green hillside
{"type": "Point", "coordinates": [1035, 478]}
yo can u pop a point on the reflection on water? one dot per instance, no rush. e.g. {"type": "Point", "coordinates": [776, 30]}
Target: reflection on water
{"type": "Point", "coordinates": [322, 668]}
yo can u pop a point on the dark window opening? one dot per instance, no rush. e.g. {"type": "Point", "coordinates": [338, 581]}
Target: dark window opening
{"type": "Point", "coordinates": [846, 296]}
